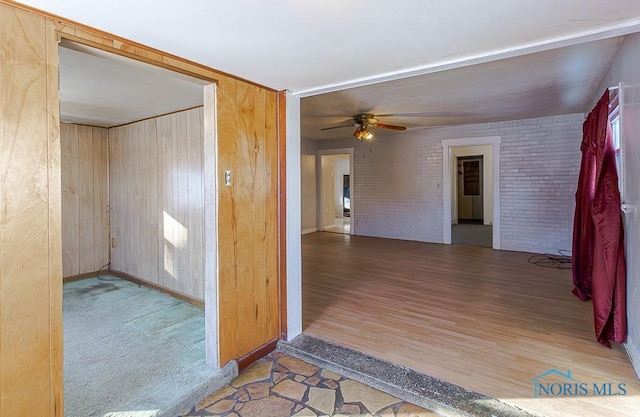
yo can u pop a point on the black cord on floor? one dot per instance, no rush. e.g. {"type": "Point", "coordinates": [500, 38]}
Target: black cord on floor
{"type": "Point", "coordinates": [549, 260]}
{"type": "Point", "coordinates": [100, 270]}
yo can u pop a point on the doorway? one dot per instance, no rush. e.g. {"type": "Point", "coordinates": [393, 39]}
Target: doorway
{"type": "Point", "coordinates": [468, 226]}
{"type": "Point", "coordinates": [335, 202]}
{"type": "Point", "coordinates": [471, 191]}
{"type": "Point", "coordinates": [133, 141]}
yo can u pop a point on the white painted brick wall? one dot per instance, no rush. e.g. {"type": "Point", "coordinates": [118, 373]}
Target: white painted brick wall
{"type": "Point", "coordinates": [394, 187]}
{"type": "Point", "coordinates": [398, 181]}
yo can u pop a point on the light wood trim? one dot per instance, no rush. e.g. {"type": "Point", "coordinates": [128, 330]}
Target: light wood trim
{"type": "Point", "coordinates": [245, 186]}
{"type": "Point", "coordinates": [56, 401]}
{"type": "Point", "coordinates": [269, 167]}
{"type": "Point", "coordinates": [226, 227]}
{"type": "Point", "coordinates": [282, 212]}
{"type": "Point", "coordinates": [173, 293]}
{"type": "Point", "coordinates": [62, 123]}
{"type": "Point", "coordinates": [30, 247]}
{"type": "Point", "coordinates": [258, 353]}
{"type": "Point", "coordinates": [80, 277]}
{"type": "Point", "coordinates": [86, 35]}
{"type": "Point", "coordinates": [156, 116]}
{"type": "Point", "coordinates": [247, 218]}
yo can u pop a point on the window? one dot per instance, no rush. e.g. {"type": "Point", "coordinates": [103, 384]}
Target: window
{"type": "Point", "coordinates": [615, 128]}
{"type": "Point", "coordinates": [614, 120]}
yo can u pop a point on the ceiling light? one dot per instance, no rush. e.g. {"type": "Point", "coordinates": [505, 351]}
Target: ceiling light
{"type": "Point", "coordinates": [362, 133]}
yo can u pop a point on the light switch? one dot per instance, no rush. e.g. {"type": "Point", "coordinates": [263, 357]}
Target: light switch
{"type": "Point", "coordinates": [227, 177]}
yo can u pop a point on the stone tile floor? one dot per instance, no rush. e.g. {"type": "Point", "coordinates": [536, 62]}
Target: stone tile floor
{"type": "Point", "coordinates": [280, 385]}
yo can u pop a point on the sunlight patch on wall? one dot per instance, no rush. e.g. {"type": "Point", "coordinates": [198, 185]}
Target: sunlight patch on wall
{"type": "Point", "coordinates": [174, 232]}
{"type": "Point", "coordinates": [168, 259]}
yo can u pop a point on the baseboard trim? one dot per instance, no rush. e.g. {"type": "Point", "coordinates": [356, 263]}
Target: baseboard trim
{"type": "Point", "coordinates": [309, 230]}
{"type": "Point", "coordinates": [157, 287]}
{"type": "Point", "coordinates": [256, 354]}
{"type": "Point", "coordinates": [79, 277]}
{"type": "Point", "coordinates": [634, 356]}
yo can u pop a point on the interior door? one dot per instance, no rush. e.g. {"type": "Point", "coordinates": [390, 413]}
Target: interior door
{"type": "Point", "coordinates": [470, 189]}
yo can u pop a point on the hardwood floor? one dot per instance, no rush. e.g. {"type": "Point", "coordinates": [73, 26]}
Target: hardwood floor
{"type": "Point", "coordinates": [483, 319]}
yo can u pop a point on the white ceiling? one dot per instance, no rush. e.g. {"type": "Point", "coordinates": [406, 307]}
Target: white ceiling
{"type": "Point", "coordinates": [475, 61]}
{"type": "Point", "coordinates": [559, 81]}
{"type": "Point", "coordinates": [102, 89]}
{"type": "Point", "coordinates": [304, 45]}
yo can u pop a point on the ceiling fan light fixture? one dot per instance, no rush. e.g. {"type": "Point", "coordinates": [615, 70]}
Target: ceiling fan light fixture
{"type": "Point", "coordinates": [362, 133]}
{"type": "Point", "coordinates": [363, 123]}
{"type": "Point", "coordinates": [358, 133]}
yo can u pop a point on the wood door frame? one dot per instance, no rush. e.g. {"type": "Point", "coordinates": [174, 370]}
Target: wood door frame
{"type": "Point", "coordinates": [447, 144]}
{"type": "Point", "coordinates": [293, 213]}
{"type": "Point", "coordinates": [320, 185]}
{"type": "Point", "coordinates": [282, 213]}
{"type": "Point", "coordinates": [455, 198]}
{"type": "Point", "coordinates": [58, 28]}
{"type": "Point", "coordinates": [212, 351]}
{"type": "Point", "coordinates": [463, 151]}
{"type": "Point", "coordinates": [210, 213]}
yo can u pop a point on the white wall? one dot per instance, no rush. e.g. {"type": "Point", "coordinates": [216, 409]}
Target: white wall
{"type": "Point", "coordinates": [340, 169]}
{"type": "Point", "coordinates": [626, 69]}
{"type": "Point", "coordinates": [308, 198]}
{"type": "Point", "coordinates": [293, 211]}
{"type": "Point", "coordinates": [399, 181]}
{"type": "Point", "coordinates": [394, 186]}
{"type": "Point", "coordinates": [308, 147]}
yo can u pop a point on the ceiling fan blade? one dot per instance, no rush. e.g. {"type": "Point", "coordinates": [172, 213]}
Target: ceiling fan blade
{"type": "Point", "coordinates": [427, 114]}
{"type": "Point", "coordinates": [392, 127]}
{"type": "Point", "coordinates": [338, 127]}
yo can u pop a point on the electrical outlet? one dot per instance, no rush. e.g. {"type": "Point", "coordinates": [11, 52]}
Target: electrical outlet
{"type": "Point", "coordinates": [113, 242]}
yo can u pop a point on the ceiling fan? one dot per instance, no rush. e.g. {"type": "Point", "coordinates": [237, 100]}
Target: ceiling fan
{"type": "Point", "coordinates": [363, 122]}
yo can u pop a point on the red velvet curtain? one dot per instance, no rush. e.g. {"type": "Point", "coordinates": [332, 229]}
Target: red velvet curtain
{"type": "Point", "coordinates": [599, 270]}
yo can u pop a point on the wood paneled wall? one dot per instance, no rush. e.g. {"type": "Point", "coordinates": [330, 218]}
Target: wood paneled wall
{"type": "Point", "coordinates": [30, 243]}
{"type": "Point", "coordinates": [85, 199]}
{"type": "Point", "coordinates": [247, 116]}
{"type": "Point", "coordinates": [247, 218]}
{"type": "Point", "coordinates": [157, 201]}
{"type": "Point", "coordinates": [30, 205]}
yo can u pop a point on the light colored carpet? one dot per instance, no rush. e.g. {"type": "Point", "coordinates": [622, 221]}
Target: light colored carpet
{"type": "Point", "coordinates": [132, 351]}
